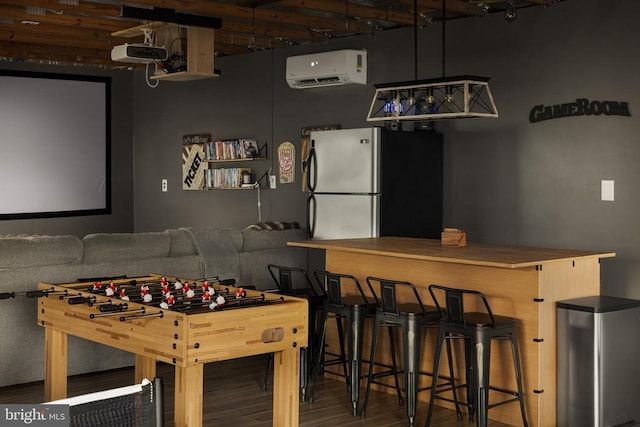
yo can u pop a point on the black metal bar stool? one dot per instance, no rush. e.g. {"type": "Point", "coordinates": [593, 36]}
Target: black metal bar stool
{"type": "Point", "coordinates": [294, 281]}
{"type": "Point", "coordinates": [411, 316]}
{"type": "Point", "coordinates": [477, 328]}
{"type": "Point", "coordinates": [352, 307]}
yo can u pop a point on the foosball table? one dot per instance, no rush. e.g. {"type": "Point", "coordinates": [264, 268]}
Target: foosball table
{"type": "Point", "coordinates": [186, 323]}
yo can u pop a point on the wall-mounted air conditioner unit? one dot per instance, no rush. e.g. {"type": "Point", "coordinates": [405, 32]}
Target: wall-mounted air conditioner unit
{"type": "Point", "coordinates": [335, 68]}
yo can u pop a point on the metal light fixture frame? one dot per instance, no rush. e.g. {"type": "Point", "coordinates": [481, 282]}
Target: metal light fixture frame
{"type": "Point", "coordinates": [452, 97]}
{"type": "Point", "coordinates": [442, 98]}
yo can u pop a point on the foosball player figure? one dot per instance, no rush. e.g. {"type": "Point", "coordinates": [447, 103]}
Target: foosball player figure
{"type": "Point", "coordinates": [164, 281]}
{"type": "Point", "coordinates": [206, 297]}
{"type": "Point", "coordinates": [211, 291]}
{"type": "Point", "coordinates": [96, 286]}
{"type": "Point", "coordinates": [219, 302]}
{"type": "Point", "coordinates": [241, 293]}
{"type": "Point", "coordinates": [144, 293]}
{"type": "Point", "coordinates": [178, 284]}
{"type": "Point", "coordinates": [111, 289]}
{"type": "Point", "coordinates": [205, 287]}
{"type": "Point", "coordinates": [123, 295]}
{"type": "Point", "coordinates": [166, 304]}
{"type": "Point", "coordinates": [165, 289]}
{"type": "Point", "coordinates": [187, 291]}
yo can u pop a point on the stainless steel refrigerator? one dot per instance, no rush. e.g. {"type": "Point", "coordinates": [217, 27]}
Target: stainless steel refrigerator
{"type": "Point", "coordinates": [371, 182]}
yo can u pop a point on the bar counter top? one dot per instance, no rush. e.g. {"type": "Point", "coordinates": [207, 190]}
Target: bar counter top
{"type": "Point", "coordinates": [481, 254]}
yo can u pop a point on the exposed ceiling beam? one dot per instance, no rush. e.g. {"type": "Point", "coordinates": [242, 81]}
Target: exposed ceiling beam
{"type": "Point", "coordinates": [247, 25]}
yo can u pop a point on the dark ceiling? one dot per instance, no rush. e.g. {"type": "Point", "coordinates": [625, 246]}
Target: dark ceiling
{"type": "Point", "coordinates": [80, 32]}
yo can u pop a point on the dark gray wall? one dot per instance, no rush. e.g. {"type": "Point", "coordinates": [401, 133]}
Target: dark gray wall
{"type": "Point", "coordinates": [510, 181]}
{"type": "Point", "coordinates": [506, 180]}
{"type": "Point", "coordinates": [121, 219]}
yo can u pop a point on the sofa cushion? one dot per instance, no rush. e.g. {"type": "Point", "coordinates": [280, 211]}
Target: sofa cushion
{"type": "Point", "coordinates": [181, 242]}
{"type": "Point", "coordinates": [219, 249]}
{"type": "Point", "coordinates": [30, 251]}
{"type": "Point", "coordinates": [113, 247]}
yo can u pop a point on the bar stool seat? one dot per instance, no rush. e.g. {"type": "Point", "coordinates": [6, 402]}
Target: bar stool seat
{"type": "Point", "coordinates": [351, 306]}
{"type": "Point", "coordinates": [411, 317]}
{"type": "Point", "coordinates": [295, 281]}
{"type": "Point", "coordinates": [478, 329]}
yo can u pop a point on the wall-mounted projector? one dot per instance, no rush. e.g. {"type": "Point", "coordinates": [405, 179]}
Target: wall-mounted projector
{"type": "Point", "coordinates": [138, 53]}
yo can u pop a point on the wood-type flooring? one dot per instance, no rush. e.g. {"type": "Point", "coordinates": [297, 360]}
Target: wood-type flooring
{"type": "Point", "coordinates": [233, 396]}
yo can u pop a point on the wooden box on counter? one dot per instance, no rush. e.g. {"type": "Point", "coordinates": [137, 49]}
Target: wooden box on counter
{"type": "Point", "coordinates": [453, 237]}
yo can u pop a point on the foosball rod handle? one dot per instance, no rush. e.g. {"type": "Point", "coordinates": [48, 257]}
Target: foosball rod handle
{"type": "Point", "coordinates": [108, 308]}
{"type": "Point", "coordinates": [28, 294]}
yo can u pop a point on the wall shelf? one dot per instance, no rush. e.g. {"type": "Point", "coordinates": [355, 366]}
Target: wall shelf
{"type": "Point", "coordinates": [198, 172]}
{"type": "Point", "coordinates": [246, 159]}
{"type": "Point", "coordinates": [234, 150]}
{"type": "Point", "coordinates": [253, 187]}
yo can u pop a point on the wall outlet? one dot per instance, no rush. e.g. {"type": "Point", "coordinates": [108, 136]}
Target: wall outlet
{"type": "Point", "coordinates": [272, 181]}
{"type": "Point", "coordinates": [164, 185]}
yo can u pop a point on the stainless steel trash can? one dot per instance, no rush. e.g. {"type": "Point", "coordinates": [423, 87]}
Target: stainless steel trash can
{"type": "Point", "coordinates": [598, 368]}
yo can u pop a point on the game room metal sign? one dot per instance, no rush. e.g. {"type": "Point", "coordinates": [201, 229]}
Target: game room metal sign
{"type": "Point", "coordinates": [581, 107]}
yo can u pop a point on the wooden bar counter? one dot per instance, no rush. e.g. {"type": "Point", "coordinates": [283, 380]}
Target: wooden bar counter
{"type": "Point", "coordinates": [521, 282]}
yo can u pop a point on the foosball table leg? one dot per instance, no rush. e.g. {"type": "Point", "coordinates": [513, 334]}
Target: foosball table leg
{"type": "Point", "coordinates": [286, 387]}
{"type": "Point", "coordinates": [145, 368]}
{"type": "Point", "coordinates": [188, 395]}
{"type": "Point", "coordinates": [55, 365]}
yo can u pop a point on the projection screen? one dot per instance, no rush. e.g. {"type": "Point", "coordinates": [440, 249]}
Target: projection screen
{"type": "Point", "coordinates": [54, 145]}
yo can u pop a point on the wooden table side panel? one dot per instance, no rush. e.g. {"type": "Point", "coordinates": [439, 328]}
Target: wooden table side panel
{"type": "Point", "coordinates": [150, 337]}
{"type": "Point", "coordinates": [510, 292]}
{"type": "Point", "coordinates": [238, 333]}
{"type": "Point", "coordinates": [559, 281]}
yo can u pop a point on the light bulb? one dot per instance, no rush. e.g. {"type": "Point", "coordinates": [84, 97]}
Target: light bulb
{"type": "Point", "coordinates": [430, 98]}
{"type": "Point", "coordinates": [448, 95]}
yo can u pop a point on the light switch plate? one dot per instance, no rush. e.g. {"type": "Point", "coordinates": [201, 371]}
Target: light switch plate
{"type": "Point", "coordinates": [164, 185]}
{"type": "Point", "coordinates": [606, 191]}
{"type": "Point", "coordinates": [272, 181]}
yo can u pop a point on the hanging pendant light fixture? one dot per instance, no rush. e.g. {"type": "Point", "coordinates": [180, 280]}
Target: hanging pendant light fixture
{"type": "Point", "coordinates": [443, 98]}
{"type": "Point", "coordinates": [432, 99]}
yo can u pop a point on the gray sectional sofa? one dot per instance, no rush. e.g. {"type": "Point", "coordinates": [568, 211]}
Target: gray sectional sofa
{"type": "Point", "coordinates": [185, 252]}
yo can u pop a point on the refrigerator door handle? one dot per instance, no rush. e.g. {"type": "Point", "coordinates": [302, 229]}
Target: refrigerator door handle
{"type": "Point", "coordinates": [312, 168]}
{"type": "Point", "coordinates": [311, 215]}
